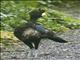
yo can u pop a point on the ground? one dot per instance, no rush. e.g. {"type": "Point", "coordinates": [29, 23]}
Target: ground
{"type": "Point", "coordinates": [48, 50]}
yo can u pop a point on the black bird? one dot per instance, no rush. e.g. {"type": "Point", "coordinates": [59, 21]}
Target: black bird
{"type": "Point", "coordinates": [32, 33]}
{"type": "Point", "coordinates": [29, 35]}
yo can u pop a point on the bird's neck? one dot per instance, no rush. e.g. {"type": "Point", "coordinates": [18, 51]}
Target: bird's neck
{"type": "Point", "coordinates": [33, 19]}
{"type": "Point", "coordinates": [33, 22]}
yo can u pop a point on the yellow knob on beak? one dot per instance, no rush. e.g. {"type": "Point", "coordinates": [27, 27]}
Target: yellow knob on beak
{"type": "Point", "coordinates": [43, 14]}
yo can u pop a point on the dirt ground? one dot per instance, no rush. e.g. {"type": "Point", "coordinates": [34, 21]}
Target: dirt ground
{"type": "Point", "coordinates": [48, 49]}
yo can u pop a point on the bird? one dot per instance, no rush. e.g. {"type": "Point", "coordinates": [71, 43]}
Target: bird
{"type": "Point", "coordinates": [32, 33]}
{"type": "Point", "coordinates": [29, 35]}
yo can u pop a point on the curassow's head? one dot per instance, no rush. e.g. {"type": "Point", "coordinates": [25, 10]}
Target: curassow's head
{"type": "Point", "coordinates": [35, 14]}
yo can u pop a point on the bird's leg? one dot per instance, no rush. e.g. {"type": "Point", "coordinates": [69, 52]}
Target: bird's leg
{"type": "Point", "coordinates": [36, 44]}
{"type": "Point", "coordinates": [30, 54]}
{"type": "Point", "coordinates": [29, 44]}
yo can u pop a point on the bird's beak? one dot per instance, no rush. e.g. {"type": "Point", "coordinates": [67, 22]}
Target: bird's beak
{"type": "Point", "coordinates": [43, 14]}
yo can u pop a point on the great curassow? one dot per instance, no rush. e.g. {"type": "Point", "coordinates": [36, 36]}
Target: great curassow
{"type": "Point", "coordinates": [32, 33]}
{"type": "Point", "coordinates": [29, 35]}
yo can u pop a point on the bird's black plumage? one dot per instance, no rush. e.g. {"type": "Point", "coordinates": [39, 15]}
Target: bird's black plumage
{"type": "Point", "coordinates": [31, 33]}
{"type": "Point", "coordinates": [28, 35]}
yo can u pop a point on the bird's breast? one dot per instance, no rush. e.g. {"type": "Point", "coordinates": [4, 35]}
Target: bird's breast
{"type": "Point", "coordinates": [31, 33]}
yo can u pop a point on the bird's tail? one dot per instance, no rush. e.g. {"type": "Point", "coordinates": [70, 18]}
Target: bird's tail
{"type": "Point", "coordinates": [51, 35]}
{"type": "Point", "coordinates": [58, 39]}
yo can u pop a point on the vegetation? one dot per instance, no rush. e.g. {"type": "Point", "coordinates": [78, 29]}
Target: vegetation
{"type": "Point", "coordinates": [16, 13]}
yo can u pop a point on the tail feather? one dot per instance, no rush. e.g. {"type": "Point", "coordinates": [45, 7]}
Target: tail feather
{"type": "Point", "coordinates": [58, 39]}
{"type": "Point", "coordinates": [51, 35]}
